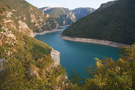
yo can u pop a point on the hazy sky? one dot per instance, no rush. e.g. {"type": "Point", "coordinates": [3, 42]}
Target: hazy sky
{"type": "Point", "coordinates": [71, 4]}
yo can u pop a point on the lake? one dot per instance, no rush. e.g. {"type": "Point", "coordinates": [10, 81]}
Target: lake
{"type": "Point", "coordinates": [76, 55]}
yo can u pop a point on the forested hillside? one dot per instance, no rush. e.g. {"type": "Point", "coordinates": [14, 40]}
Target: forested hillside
{"type": "Point", "coordinates": [114, 23]}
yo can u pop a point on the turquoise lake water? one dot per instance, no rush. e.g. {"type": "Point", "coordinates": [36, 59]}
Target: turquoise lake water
{"type": "Point", "coordinates": [76, 55]}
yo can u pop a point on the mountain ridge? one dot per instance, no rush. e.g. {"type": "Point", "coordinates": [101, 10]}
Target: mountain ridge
{"type": "Point", "coordinates": [32, 21]}
{"type": "Point", "coordinates": [113, 23]}
{"type": "Point", "coordinates": [65, 16]}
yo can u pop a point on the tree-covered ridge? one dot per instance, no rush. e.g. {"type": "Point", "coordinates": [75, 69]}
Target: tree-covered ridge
{"type": "Point", "coordinates": [108, 74]}
{"type": "Point", "coordinates": [26, 64]}
{"type": "Point", "coordinates": [114, 23]}
{"type": "Point", "coordinates": [22, 16]}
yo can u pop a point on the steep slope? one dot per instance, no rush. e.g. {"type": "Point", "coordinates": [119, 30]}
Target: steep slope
{"type": "Point", "coordinates": [63, 16]}
{"type": "Point", "coordinates": [24, 17]}
{"type": "Point", "coordinates": [25, 63]}
{"type": "Point", "coordinates": [114, 23]}
{"type": "Point", "coordinates": [82, 12]}
{"type": "Point", "coordinates": [105, 5]}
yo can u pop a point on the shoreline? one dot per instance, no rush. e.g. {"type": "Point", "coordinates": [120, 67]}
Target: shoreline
{"type": "Point", "coordinates": [95, 41]}
{"type": "Point", "coordinates": [45, 32]}
{"type": "Point", "coordinates": [48, 31]}
{"type": "Point", "coordinates": [64, 26]}
{"type": "Point", "coordinates": [55, 55]}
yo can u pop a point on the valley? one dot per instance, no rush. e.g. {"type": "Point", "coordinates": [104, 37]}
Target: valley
{"type": "Point", "coordinates": [67, 46]}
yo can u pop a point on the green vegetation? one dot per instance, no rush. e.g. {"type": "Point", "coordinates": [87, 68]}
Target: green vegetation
{"type": "Point", "coordinates": [27, 64]}
{"type": "Point", "coordinates": [109, 75]}
{"type": "Point", "coordinates": [113, 23]}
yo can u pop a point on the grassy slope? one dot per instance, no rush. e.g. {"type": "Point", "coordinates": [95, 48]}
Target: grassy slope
{"type": "Point", "coordinates": [114, 23]}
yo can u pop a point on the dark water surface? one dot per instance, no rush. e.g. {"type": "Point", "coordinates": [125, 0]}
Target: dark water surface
{"type": "Point", "coordinates": [76, 55]}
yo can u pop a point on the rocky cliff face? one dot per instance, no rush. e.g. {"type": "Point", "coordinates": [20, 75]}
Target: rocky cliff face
{"type": "Point", "coordinates": [82, 12]}
{"type": "Point", "coordinates": [22, 16]}
{"type": "Point", "coordinates": [65, 16]}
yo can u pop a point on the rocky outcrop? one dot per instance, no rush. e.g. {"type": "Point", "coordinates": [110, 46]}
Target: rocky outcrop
{"type": "Point", "coordinates": [1, 63]}
{"type": "Point", "coordinates": [6, 38]}
{"type": "Point", "coordinates": [24, 28]}
{"type": "Point", "coordinates": [56, 57]}
{"type": "Point", "coordinates": [82, 12]}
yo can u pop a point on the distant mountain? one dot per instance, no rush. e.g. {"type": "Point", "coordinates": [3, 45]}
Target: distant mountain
{"type": "Point", "coordinates": [112, 21]}
{"type": "Point", "coordinates": [64, 16]}
{"type": "Point", "coordinates": [82, 12]}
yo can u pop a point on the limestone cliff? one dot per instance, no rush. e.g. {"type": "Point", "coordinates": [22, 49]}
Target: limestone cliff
{"type": "Point", "coordinates": [65, 16]}
{"type": "Point", "coordinates": [22, 16]}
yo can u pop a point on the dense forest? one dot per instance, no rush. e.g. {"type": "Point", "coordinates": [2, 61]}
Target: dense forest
{"type": "Point", "coordinates": [113, 23]}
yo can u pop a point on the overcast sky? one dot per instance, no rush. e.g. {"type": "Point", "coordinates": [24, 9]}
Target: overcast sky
{"type": "Point", "coordinates": [71, 4]}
